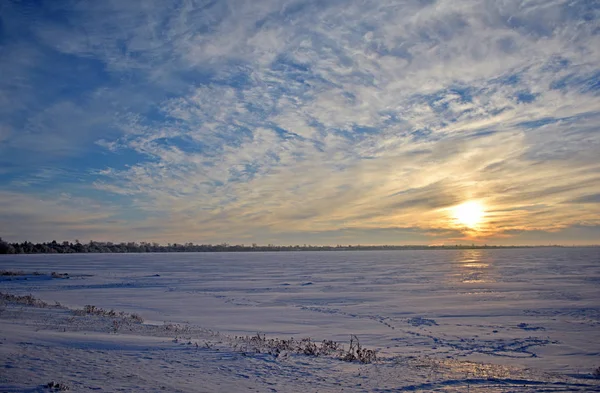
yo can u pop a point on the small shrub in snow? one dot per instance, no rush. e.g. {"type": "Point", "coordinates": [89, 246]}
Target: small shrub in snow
{"type": "Point", "coordinates": [596, 373]}
{"type": "Point", "coordinates": [136, 318]}
{"type": "Point", "coordinates": [57, 386]}
{"type": "Point", "coordinates": [358, 353]}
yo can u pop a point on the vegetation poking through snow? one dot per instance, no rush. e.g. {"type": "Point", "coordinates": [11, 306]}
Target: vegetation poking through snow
{"type": "Point", "coordinates": [20, 273]}
{"type": "Point", "coordinates": [116, 325]}
{"type": "Point", "coordinates": [304, 346]}
{"type": "Point", "coordinates": [597, 373]}
{"type": "Point", "coordinates": [16, 273]}
{"type": "Point", "coordinates": [245, 344]}
{"type": "Point", "coordinates": [11, 273]}
{"type": "Point", "coordinates": [28, 300]}
{"type": "Point", "coordinates": [57, 386]}
{"type": "Point", "coordinates": [358, 352]}
{"type": "Point", "coordinates": [93, 310]}
{"type": "Point", "coordinates": [120, 317]}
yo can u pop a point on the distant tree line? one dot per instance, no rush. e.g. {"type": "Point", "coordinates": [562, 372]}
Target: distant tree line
{"type": "Point", "coordinates": [66, 247]}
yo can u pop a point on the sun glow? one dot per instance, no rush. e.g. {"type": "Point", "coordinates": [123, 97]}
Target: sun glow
{"type": "Point", "coordinates": [469, 214]}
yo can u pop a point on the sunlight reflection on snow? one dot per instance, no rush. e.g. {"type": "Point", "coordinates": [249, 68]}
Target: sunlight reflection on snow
{"type": "Point", "coordinates": [471, 268]}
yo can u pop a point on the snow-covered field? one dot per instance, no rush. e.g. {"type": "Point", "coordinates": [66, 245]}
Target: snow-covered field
{"type": "Point", "coordinates": [466, 320]}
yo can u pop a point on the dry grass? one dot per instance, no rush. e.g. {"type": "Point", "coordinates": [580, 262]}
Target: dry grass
{"type": "Point", "coordinates": [28, 300]}
{"type": "Point", "coordinates": [57, 386]}
{"type": "Point", "coordinates": [305, 346]}
{"type": "Point", "coordinates": [356, 352]}
{"type": "Point", "coordinates": [15, 273]}
{"type": "Point", "coordinates": [11, 273]}
{"type": "Point", "coordinates": [20, 273]}
{"type": "Point", "coordinates": [245, 344]}
{"type": "Point", "coordinates": [93, 310]}
{"type": "Point", "coordinates": [120, 318]}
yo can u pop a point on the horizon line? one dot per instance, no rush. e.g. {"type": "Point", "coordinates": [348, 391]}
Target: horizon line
{"type": "Point", "coordinates": [304, 246]}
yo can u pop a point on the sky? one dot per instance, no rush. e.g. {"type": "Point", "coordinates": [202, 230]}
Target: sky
{"type": "Point", "coordinates": [300, 122]}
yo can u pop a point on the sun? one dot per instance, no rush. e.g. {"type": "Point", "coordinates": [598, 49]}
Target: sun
{"type": "Point", "coordinates": [469, 214]}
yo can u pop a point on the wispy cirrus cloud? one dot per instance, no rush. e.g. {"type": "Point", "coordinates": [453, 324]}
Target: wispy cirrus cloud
{"type": "Point", "coordinates": [275, 120]}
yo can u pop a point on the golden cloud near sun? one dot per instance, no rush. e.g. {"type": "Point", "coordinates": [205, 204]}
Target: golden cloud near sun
{"type": "Point", "coordinates": [469, 214]}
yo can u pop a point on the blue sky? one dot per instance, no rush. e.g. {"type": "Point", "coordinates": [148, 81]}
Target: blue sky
{"type": "Point", "coordinates": [292, 122]}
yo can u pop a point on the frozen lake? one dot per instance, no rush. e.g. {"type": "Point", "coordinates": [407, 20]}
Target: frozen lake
{"type": "Point", "coordinates": [533, 307]}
